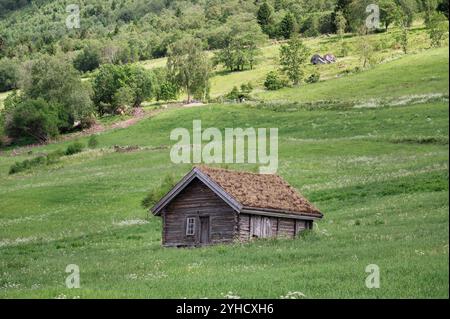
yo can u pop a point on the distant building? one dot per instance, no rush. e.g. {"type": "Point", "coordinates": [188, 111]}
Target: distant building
{"type": "Point", "coordinates": [211, 206]}
{"type": "Point", "coordinates": [317, 59]}
{"type": "Point", "coordinates": [326, 59]}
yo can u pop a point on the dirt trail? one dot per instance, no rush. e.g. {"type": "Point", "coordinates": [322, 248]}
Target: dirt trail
{"type": "Point", "coordinates": [138, 115]}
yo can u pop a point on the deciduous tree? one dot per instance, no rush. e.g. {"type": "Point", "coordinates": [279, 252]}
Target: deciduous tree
{"type": "Point", "coordinates": [293, 57]}
{"type": "Point", "coordinates": [189, 67]}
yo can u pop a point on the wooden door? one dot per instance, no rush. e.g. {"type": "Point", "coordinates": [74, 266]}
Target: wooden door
{"type": "Point", "coordinates": [204, 230]}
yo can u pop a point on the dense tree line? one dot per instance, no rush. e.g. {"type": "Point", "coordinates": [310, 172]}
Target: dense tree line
{"type": "Point", "coordinates": [137, 29]}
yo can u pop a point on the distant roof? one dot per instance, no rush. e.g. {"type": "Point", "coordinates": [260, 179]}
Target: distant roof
{"type": "Point", "coordinates": [247, 191]}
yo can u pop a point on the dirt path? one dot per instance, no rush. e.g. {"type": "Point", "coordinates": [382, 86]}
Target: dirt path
{"type": "Point", "coordinates": [138, 115]}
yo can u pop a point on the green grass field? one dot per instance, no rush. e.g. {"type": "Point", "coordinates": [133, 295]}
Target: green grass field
{"type": "Point", "coordinates": [380, 175]}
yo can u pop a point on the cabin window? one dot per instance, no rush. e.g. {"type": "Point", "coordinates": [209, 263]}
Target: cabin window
{"type": "Point", "coordinates": [190, 226]}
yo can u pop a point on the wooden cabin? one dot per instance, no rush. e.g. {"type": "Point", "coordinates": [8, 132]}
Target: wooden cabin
{"type": "Point", "coordinates": [212, 206]}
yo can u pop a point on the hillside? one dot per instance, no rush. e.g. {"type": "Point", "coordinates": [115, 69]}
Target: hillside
{"type": "Point", "coordinates": [143, 28]}
{"type": "Point", "coordinates": [379, 174]}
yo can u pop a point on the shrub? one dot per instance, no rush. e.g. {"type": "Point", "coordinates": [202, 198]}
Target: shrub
{"type": "Point", "coordinates": [344, 49]}
{"type": "Point", "coordinates": [88, 60]}
{"type": "Point", "coordinates": [35, 119]}
{"type": "Point", "coordinates": [74, 148]}
{"type": "Point", "coordinates": [115, 84]}
{"type": "Point", "coordinates": [247, 88]}
{"type": "Point", "coordinates": [437, 29]}
{"type": "Point", "coordinates": [234, 94]}
{"type": "Point", "coordinates": [167, 91]}
{"type": "Point", "coordinates": [53, 157]}
{"type": "Point", "coordinates": [240, 95]}
{"type": "Point", "coordinates": [9, 75]}
{"type": "Point", "coordinates": [273, 81]}
{"type": "Point", "coordinates": [313, 78]}
{"type": "Point", "coordinates": [27, 164]}
{"type": "Point", "coordinates": [93, 141]}
{"type": "Point", "coordinates": [159, 191]}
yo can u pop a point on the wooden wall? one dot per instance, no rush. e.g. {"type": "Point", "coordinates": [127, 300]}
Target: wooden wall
{"type": "Point", "coordinates": [198, 200]}
{"type": "Point", "coordinates": [254, 226]}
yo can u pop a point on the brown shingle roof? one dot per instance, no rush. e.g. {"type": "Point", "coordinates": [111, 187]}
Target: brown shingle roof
{"type": "Point", "coordinates": [261, 191]}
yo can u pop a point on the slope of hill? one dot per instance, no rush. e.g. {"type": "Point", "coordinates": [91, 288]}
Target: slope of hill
{"type": "Point", "coordinates": [380, 175]}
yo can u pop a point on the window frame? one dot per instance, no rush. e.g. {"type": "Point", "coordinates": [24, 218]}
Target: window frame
{"type": "Point", "coordinates": [191, 225]}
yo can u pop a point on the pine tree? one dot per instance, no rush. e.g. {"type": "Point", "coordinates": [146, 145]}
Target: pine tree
{"type": "Point", "coordinates": [265, 16]}
{"type": "Point", "coordinates": [287, 26]}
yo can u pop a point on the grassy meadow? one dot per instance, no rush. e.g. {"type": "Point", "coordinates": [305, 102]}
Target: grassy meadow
{"type": "Point", "coordinates": [377, 168]}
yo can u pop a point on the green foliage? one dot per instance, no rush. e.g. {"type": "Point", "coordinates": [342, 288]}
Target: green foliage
{"type": "Point", "coordinates": [167, 91]}
{"type": "Point", "coordinates": [88, 59]}
{"type": "Point", "coordinates": [93, 141]}
{"type": "Point", "coordinates": [9, 74]}
{"type": "Point", "coordinates": [365, 50]}
{"type": "Point", "coordinates": [313, 78]}
{"type": "Point", "coordinates": [387, 12]}
{"type": "Point", "coordinates": [74, 148]}
{"type": "Point", "coordinates": [443, 8]}
{"type": "Point", "coordinates": [240, 95]}
{"type": "Point", "coordinates": [41, 160]}
{"type": "Point", "coordinates": [241, 41]}
{"type": "Point", "coordinates": [288, 26]}
{"type": "Point", "coordinates": [265, 17]}
{"type": "Point", "coordinates": [311, 26]}
{"type": "Point", "coordinates": [27, 165]}
{"type": "Point", "coordinates": [189, 67]}
{"type": "Point", "coordinates": [53, 157]}
{"type": "Point", "coordinates": [34, 119]}
{"type": "Point", "coordinates": [437, 27]}
{"type": "Point", "coordinates": [273, 81]}
{"type": "Point", "coordinates": [123, 98]}
{"type": "Point", "coordinates": [109, 79]}
{"type": "Point", "coordinates": [402, 20]}
{"type": "Point", "coordinates": [55, 80]}
{"type": "Point", "coordinates": [344, 48]}
{"type": "Point", "coordinates": [121, 85]}
{"type": "Point", "coordinates": [293, 57]}
{"type": "Point", "coordinates": [158, 191]}
{"type": "Point", "coordinates": [340, 23]}
{"type": "Point", "coordinates": [141, 83]}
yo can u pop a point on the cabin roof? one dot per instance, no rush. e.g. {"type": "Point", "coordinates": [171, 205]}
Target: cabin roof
{"type": "Point", "coordinates": [249, 192]}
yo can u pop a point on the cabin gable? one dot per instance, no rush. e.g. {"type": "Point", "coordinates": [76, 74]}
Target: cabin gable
{"type": "Point", "coordinates": [212, 219]}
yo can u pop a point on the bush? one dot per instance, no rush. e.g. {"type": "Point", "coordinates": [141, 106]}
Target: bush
{"type": "Point", "coordinates": [54, 157]}
{"type": "Point", "coordinates": [27, 164]}
{"type": "Point", "coordinates": [41, 160]}
{"type": "Point", "coordinates": [273, 81]}
{"type": "Point", "coordinates": [247, 88]}
{"type": "Point", "coordinates": [240, 95]}
{"type": "Point", "coordinates": [9, 75]}
{"type": "Point", "coordinates": [167, 91]}
{"type": "Point", "coordinates": [88, 60]}
{"type": "Point", "coordinates": [313, 78]}
{"type": "Point", "coordinates": [159, 191]}
{"type": "Point", "coordinates": [74, 148]}
{"type": "Point", "coordinates": [344, 49]}
{"type": "Point", "coordinates": [55, 80]}
{"type": "Point", "coordinates": [93, 141]}
{"type": "Point", "coordinates": [115, 84]}
{"type": "Point", "coordinates": [34, 119]}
